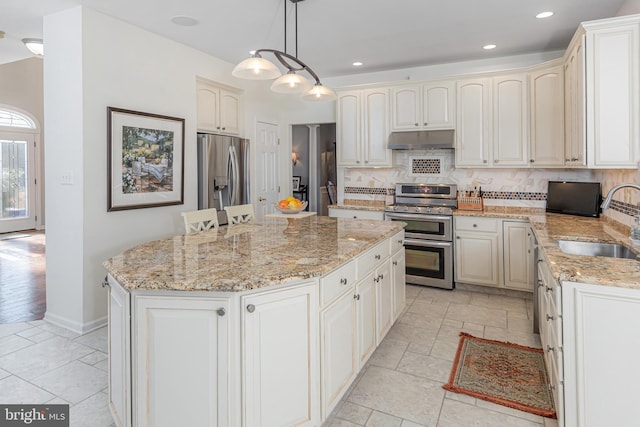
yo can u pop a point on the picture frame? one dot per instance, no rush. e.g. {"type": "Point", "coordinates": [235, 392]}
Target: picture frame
{"type": "Point", "coordinates": [296, 183]}
{"type": "Point", "coordinates": [145, 160]}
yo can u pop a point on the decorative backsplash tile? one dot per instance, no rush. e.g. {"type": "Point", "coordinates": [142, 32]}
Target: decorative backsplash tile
{"type": "Point", "coordinates": [426, 165]}
{"type": "Point", "coordinates": [514, 195]}
{"type": "Point", "coordinates": [625, 208]}
{"type": "Point", "coordinates": [369, 191]}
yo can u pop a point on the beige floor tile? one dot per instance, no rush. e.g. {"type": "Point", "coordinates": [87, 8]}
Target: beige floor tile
{"type": "Point", "coordinates": [407, 423]}
{"type": "Point", "coordinates": [428, 308]}
{"type": "Point", "coordinates": [388, 353]}
{"type": "Point", "coordinates": [73, 382]}
{"type": "Point", "coordinates": [483, 315]}
{"type": "Point", "coordinates": [420, 348]}
{"type": "Point", "coordinates": [379, 419]}
{"type": "Point", "coordinates": [408, 333]}
{"type": "Point", "coordinates": [548, 422]}
{"type": "Point", "coordinates": [7, 329]}
{"type": "Point", "coordinates": [14, 390]}
{"type": "Point", "coordinates": [520, 325]}
{"type": "Point", "coordinates": [421, 321]}
{"type": "Point", "coordinates": [93, 411]}
{"type": "Point", "coordinates": [444, 349]}
{"type": "Point", "coordinates": [342, 423]}
{"type": "Point", "coordinates": [470, 326]}
{"type": "Point", "coordinates": [442, 296]}
{"type": "Point", "coordinates": [96, 339]}
{"type": "Point", "coordinates": [412, 291]}
{"type": "Point", "coordinates": [354, 413]}
{"type": "Point", "coordinates": [460, 397]}
{"type": "Point", "coordinates": [458, 414]}
{"type": "Point", "coordinates": [13, 343]}
{"type": "Point", "coordinates": [522, 338]}
{"type": "Point", "coordinates": [425, 366]}
{"type": "Point", "coordinates": [509, 411]}
{"type": "Point", "coordinates": [401, 395]}
{"type": "Point", "coordinates": [453, 334]}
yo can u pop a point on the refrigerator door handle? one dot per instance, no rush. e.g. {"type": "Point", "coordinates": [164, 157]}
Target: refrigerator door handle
{"type": "Point", "coordinates": [233, 176]}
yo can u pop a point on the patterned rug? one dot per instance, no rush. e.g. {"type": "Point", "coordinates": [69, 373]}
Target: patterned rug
{"type": "Point", "coordinates": [504, 373]}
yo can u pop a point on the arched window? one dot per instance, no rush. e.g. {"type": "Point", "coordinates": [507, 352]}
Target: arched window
{"type": "Point", "coordinates": [15, 119]}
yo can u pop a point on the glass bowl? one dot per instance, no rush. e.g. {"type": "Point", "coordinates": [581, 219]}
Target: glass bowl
{"type": "Point", "coordinates": [292, 211]}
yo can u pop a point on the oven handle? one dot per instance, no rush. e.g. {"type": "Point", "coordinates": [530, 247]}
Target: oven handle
{"type": "Point", "coordinates": [418, 217]}
{"type": "Point", "coordinates": [427, 243]}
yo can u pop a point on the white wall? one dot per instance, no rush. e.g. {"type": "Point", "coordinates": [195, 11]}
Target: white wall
{"type": "Point", "coordinates": [85, 72]}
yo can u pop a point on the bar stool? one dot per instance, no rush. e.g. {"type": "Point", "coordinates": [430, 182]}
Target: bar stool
{"type": "Point", "coordinates": [204, 219]}
{"type": "Point", "coordinates": [240, 214]}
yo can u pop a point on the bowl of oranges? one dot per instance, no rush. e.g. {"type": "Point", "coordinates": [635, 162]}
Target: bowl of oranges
{"type": "Point", "coordinates": [291, 205]}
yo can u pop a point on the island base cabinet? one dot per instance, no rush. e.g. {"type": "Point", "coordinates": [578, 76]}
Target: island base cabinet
{"type": "Point", "coordinates": [366, 318]}
{"type": "Point", "coordinates": [119, 350]}
{"type": "Point", "coordinates": [180, 361]}
{"type": "Point", "coordinates": [280, 357]}
{"type": "Point", "coordinates": [399, 285]}
{"type": "Point", "coordinates": [338, 360]}
{"type": "Point", "coordinates": [601, 348]}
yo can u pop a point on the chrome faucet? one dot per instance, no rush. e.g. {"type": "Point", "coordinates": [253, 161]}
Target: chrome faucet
{"type": "Point", "coordinates": [607, 199]}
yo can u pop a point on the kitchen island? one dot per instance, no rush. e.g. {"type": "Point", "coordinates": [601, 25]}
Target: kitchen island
{"type": "Point", "coordinates": [263, 324]}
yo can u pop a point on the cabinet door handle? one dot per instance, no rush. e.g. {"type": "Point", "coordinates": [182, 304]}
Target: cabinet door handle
{"type": "Point", "coordinates": [376, 279]}
{"type": "Point", "coordinates": [366, 161]}
{"type": "Point", "coordinates": [475, 225]}
{"type": "Point", "coordinates": [217, 127]}
{"type": "Point", "coordinates": [381, 276]}
{"type": "Point", "coordinates": [251, 308]}
{"type": "Point", "coordinates": [549, 317]}
{"type": "Point", "coordinates": [221, 311]}
{"type": "Point", "coordinates": [426, 124]}
{"type": "Point", "coordinates": [549, 348]}
{"type": "Point", "coordinates": [540, 283]}
{"type": "Point", "coordinates": [458, 237]}
{"type": "Point", "coordinates": [531, 161]}
{"type": "Point", "coordinates": [355, 217]}
{"type": "Point", "coordinates": [416, 124]}
{"type": "Point", "coordinates": [358, 161]}
{"type": "Point", "coordinates": [356, 297]}
{"type": "Point", "coordinates": [395, 262]}
{"type": "Point", "coordinates": [377, 256]}
{"type": "Point", "coordinates": [549, 289]}
{"type": "Point", "coordinates": [224, 128]}
{"type": "Point", "coordinates": [400, 241]}
{"type": "Point", "coordinates": [343, 281]}
{"type": "Point", "coordinates": [496, 161]}
{"type": "Point", "coordinates": [105, 282]}
{"type": "Point", "coordinates": [484, 161]}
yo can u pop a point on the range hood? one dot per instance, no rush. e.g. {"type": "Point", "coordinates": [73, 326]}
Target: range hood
{"type": "Point", "coordinates": [421, 140]}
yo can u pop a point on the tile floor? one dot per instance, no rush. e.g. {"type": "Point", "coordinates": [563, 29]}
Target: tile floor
{"type": "Point", "coordinates": [42, 363]}
{"type": "Point", "coordinates": [401, 385]}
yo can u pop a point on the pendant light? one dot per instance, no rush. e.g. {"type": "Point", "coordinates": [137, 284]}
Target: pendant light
{"type": "Point", "coordinates": [259, 68]}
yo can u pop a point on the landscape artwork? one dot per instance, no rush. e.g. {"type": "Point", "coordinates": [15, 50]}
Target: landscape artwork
{"type": "Point", "coordinates": [145, 160]}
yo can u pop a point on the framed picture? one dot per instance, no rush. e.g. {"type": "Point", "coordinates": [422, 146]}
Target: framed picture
{"type": "Point", "coordinates": [296, 183]}
{"type": "Point", "coordinates": [145, 160]}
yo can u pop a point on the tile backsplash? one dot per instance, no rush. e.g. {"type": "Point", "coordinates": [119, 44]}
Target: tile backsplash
{"type": "Point", "coordinates": [502, 187]}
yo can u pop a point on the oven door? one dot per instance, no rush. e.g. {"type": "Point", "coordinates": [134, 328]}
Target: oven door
{"type": "Point", "coordinates": [429, 263]}
{"type": "Point", "coordinates": [419, 226]}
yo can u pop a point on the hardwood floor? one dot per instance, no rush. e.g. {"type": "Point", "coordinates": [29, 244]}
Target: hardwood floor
{"type": "Point", "coordinates": [22, 276]}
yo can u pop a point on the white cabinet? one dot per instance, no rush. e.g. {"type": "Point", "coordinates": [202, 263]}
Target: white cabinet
{"type": "Point", "coordinates": [473, 122]}
{"type": "Point", "coordinates": [362, 128]}
{"type": "Point", "coordinates": [280, 357]}
{"type": "Point", "coordinates": [384, 300]}
{"type": "Point", "coordinates": [601, 347]}
{"type": "Point", "coordinates": [477, 251]}
{"type": "Point", "coordinates": [398, 269]}
{"type": "Point", "coordinates": [574, 107]}
{"type": "Point", "coordinates": [612, 69]}
{"type": "Point", "coordinates": [546, 95]}
{"type": "Point", "coordinates": [218, 108]}
{"type": "Point", "coordinates": [493, 252]}
{"type": "Point", "coordinates": [423, 107]}
{"type": "Point", "coordinates": [366, 318]}
{"type": "Point", "coordinates": [518, 263]}
{"type": "Point", "coordinates": [492, 122]}
{"type": "Point", "coordinates": [180, 360]}
{"type": "Point", "coordinates": [119, 351]}
{"type": "Point", "coordinates": [510, 121]}
{"type": "Point", "coordinates": [355, 214]}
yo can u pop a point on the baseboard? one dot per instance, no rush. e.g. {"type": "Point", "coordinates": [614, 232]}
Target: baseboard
{"type": "Point", "coordinates": [77, 327]}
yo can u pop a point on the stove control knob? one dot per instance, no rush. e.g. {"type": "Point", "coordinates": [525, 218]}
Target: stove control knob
{"type": "Point", "coordinates": [417, 209]}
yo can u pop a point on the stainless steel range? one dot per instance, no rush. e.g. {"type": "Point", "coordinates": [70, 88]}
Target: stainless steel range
{"type": "Point", "coordinates": [428, 211]}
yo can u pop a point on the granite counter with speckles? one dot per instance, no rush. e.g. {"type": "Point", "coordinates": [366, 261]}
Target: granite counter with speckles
{"type": "Point", "coordinates": [549, 228]}
{"type": "Point", "coordinates": [248, 256]}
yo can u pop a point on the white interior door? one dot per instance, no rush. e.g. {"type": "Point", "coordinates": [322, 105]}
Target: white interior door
{"type": "Point", "coordinates": [267, 173]}
{"type": "Point", "coordinates": [17, 182]}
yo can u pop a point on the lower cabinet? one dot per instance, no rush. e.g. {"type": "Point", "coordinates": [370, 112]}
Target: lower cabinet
{"type": "Point", "coordinates": [180, 360]}
{"type": "Point", "coordinates": [399, 284]}
{"type": "Point", "coordinates": [355, 214]}
{"type": "Point", "coordinates": [601, 347]}
{"type": "Point", "coordinates": [366, 318]}
{"type": "Point", "coordinates": [280, 358]}
{"type": "Point", "coordinates": [493, 252]}
{"type": "Point", "coordinates": [384, 300]}
{"type": "Point", "coordinates": [119, 341]}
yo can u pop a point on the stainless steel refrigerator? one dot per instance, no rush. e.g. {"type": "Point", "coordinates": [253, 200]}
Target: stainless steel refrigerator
{"type": "Point", "coordinates": [223, 172]}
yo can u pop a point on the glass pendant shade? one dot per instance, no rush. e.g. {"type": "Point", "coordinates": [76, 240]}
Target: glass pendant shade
{"type": "Point", "coordinates": [320, 93]}
{"type": "Point", "coordinates": [291, 83]}
{"type": "Point", "coordinates": [256, 68]}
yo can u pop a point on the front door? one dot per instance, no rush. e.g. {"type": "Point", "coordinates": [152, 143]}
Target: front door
{"type": "Point", "coordinates": [267, 173]}
{"type": "Point", "coordinates": [17, 182]}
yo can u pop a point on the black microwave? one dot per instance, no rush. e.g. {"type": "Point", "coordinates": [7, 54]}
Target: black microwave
{"type": "Point", "coordinates": [574, 198]}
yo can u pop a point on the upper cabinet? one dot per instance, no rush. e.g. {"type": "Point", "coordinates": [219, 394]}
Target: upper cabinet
{"type": "Point", "coordinates": [423, 107]}
{"type": "Point", "coordinates": [546, 103]}
{"type": "Point", "coordinates": [218, 108]}
{"type": "Point", "coordinates": [574, 108]}
{"type": "Point", "coordinates": [362, 128]}
{"type": "Point", "coordinates": [492, 122]}
{"type": "Point", "coordinates": [612, 69]}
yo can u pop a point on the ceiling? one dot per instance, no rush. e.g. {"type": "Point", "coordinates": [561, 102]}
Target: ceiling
{"type": "Point", "coordinates": [332, 34]}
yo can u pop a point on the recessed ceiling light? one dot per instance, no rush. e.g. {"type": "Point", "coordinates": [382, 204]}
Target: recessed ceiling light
{"type": "Point", "coordinates": [489, 46]}
{"type": "Point", "coordinates": [543, 15]}
{"type": "Point", "coordinates": [357, 64]}
{"type": "Point", "coordinates": [185, 21]}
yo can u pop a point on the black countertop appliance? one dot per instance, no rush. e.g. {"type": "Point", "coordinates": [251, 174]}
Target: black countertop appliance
{"type": "Point", "coordinates": [574, 198]}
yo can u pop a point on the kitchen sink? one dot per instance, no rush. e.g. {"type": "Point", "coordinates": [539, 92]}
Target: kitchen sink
{"type": "Point", "coordinates": [611, 250]}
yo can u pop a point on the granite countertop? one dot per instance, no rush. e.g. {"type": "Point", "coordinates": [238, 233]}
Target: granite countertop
{"type": "Point", "coordinates": [248, 256]}
{"type": "Point", "coordinates": [548, 228]}
{"type": "Point", "coordinates": [363, 205]}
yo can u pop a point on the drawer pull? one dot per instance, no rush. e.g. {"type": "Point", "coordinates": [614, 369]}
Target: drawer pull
{"type": "Point", "coordinates": [549, 317]}
{"type": "Point", "coordinates": [377, 256]}
{"type": "Point", "coordinates": [105, 282]}
{"type": "Point", "coordinates": [475, 225]}
{"type": "Point", "coordinates": [376, 279]}
{"type": "Point", "coordinates": [356, 297]}
{"type": "Point", "coordinates": [549, 348]}
{"type": "Point", "coordinates": [381, 276]}
{"type": "Point", "coordinates": [343, 281]}
{"type": "Point", "coordinates": [549, 289]}
{"type": "Point", "coordinates": [395, 262]}
{"type": "Point", "coordinates": [251, 308]}
{"type": "Point", "coordinates": [400, 241]}
{"type": "Point", "coordinates": [221, 311]}
{"type": "Point", "coordinates": [540, 283]}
